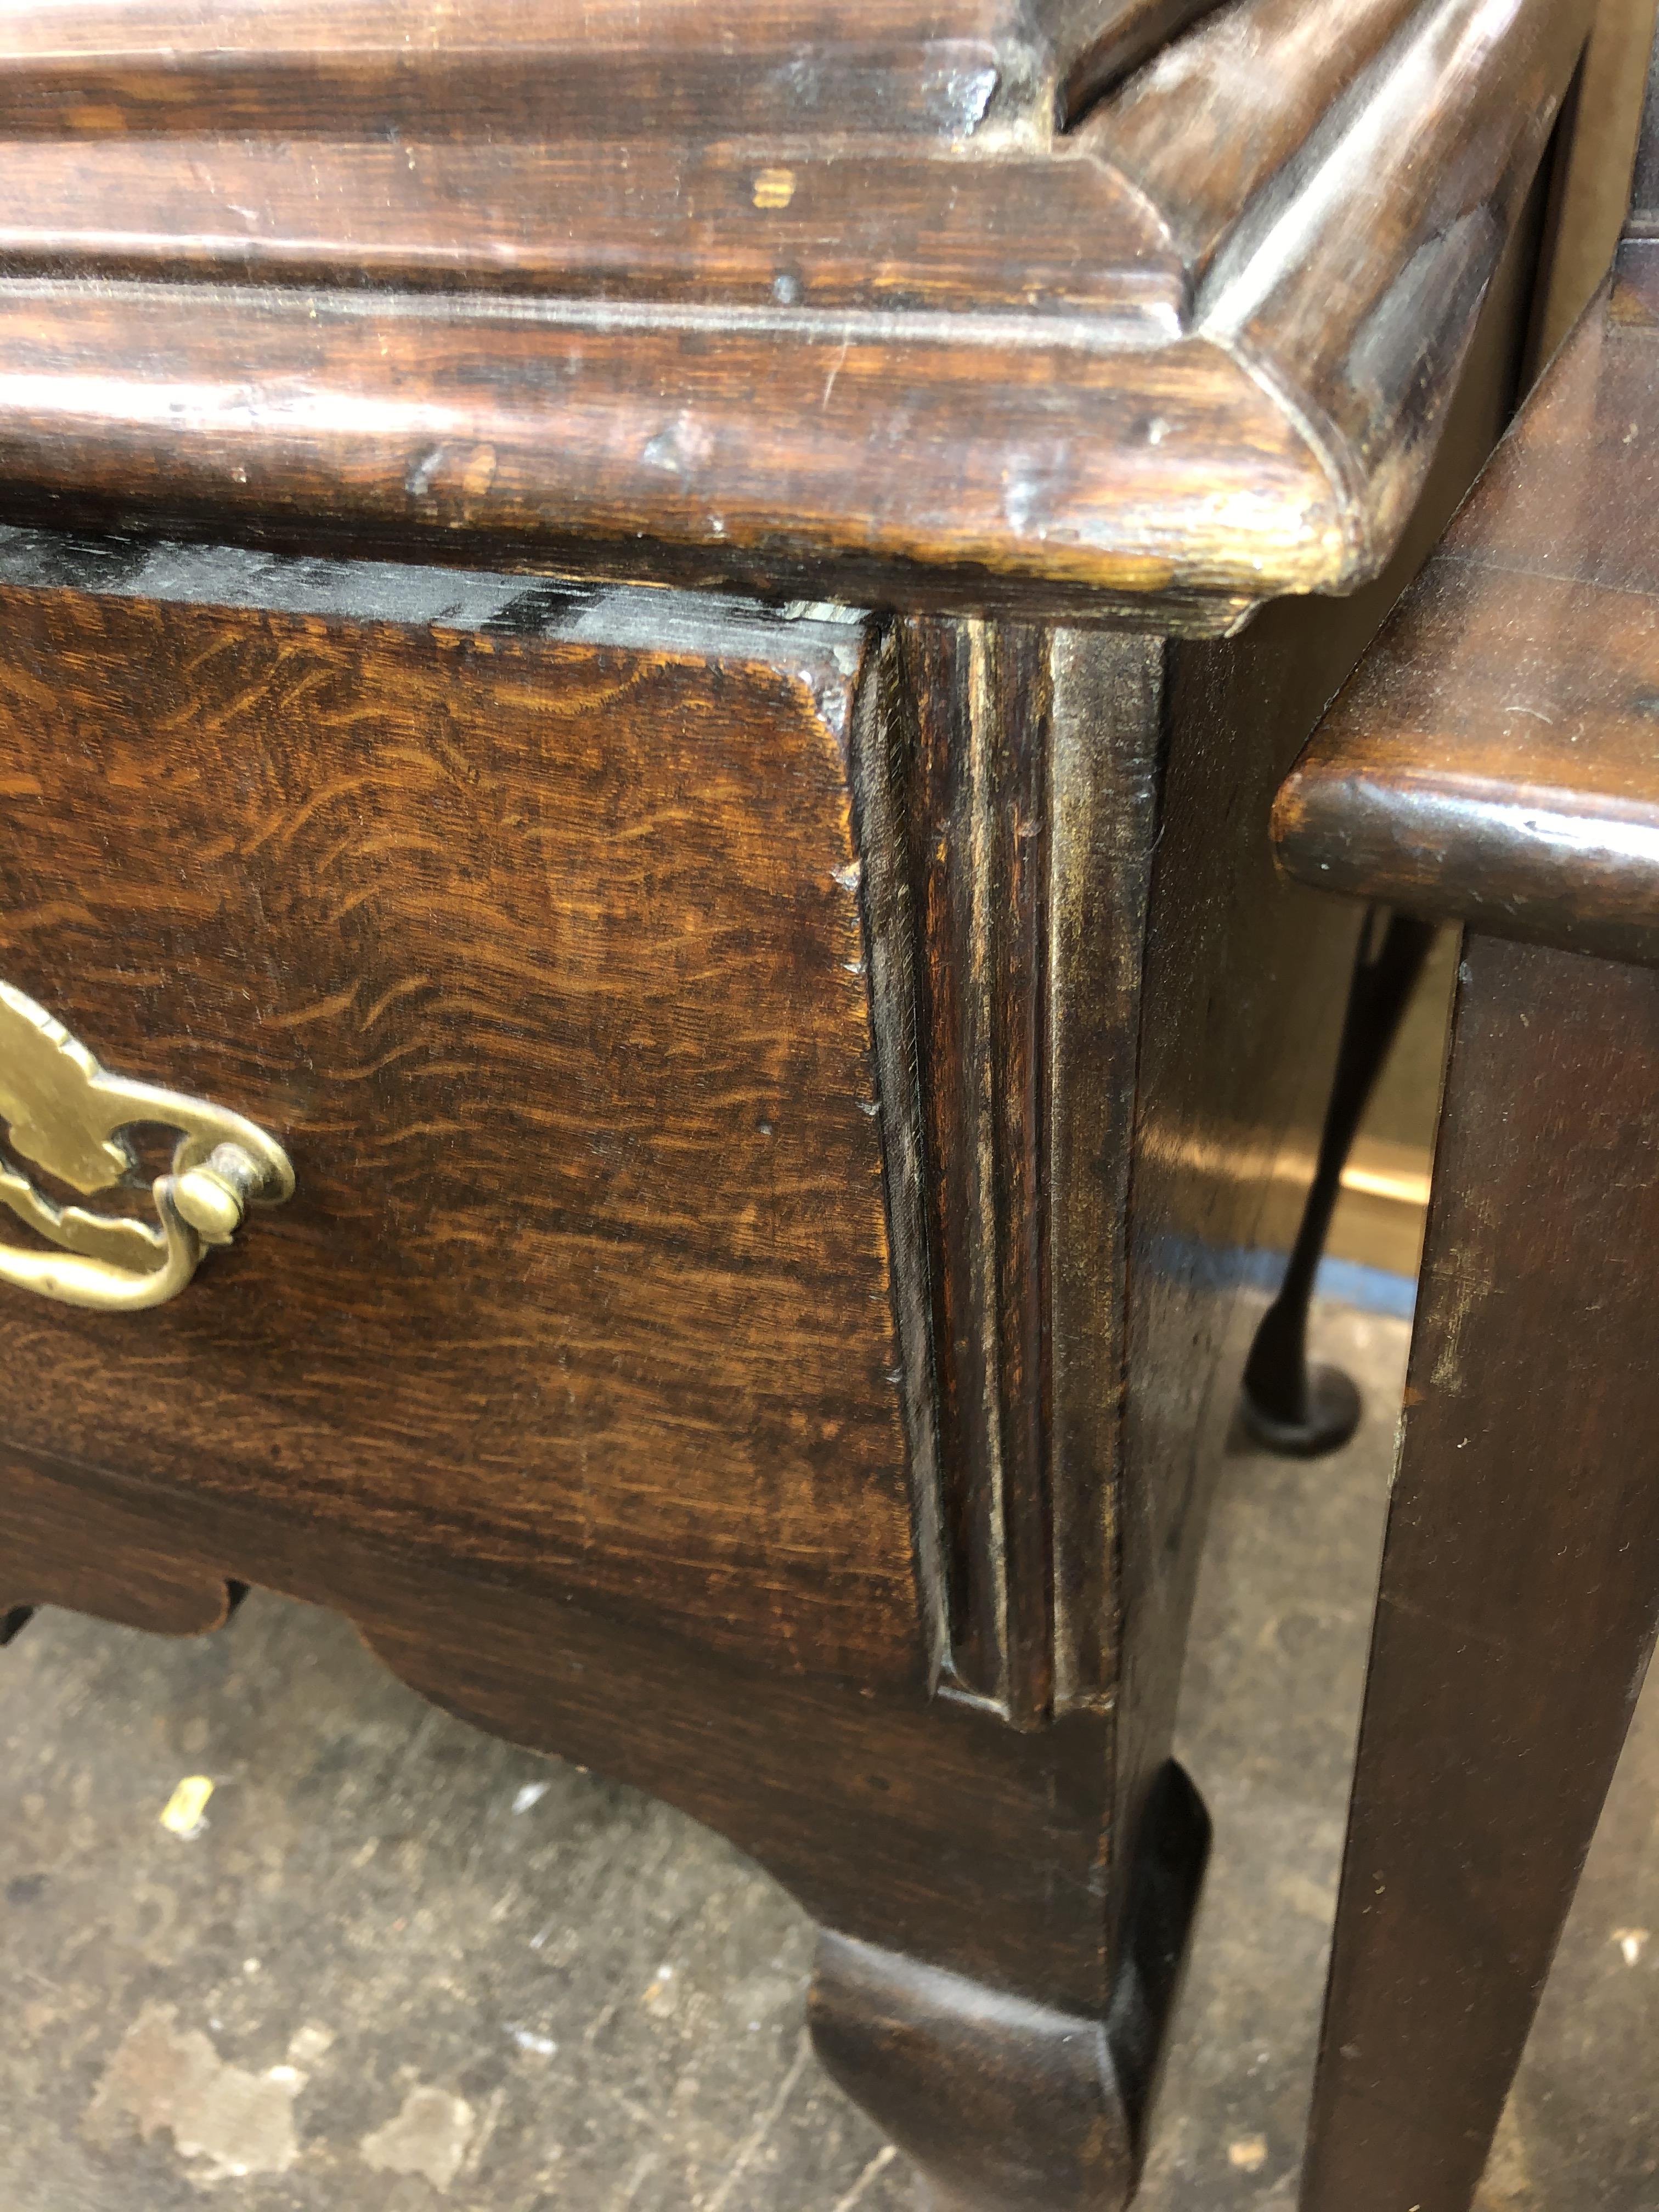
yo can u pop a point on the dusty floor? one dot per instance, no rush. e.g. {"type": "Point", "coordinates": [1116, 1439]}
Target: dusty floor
{"type": "Point", "coordinates": [402, 1968]}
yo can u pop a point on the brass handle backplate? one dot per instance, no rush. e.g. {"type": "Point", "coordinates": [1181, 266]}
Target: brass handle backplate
{"type": "Point", "coordinates": [70, 1116]}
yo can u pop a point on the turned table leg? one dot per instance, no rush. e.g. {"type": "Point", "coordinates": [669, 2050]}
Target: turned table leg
{"type": "Point", "coordinates": [1520, 1577]}
{"type": "Point", "coordinates": [1289, 1406]}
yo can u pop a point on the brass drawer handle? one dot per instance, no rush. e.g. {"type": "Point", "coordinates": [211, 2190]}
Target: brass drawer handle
{"type": "Point", "coordinates": [69, 1116]}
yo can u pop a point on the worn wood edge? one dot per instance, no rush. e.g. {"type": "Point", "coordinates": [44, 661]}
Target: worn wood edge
{"type": "Point", "coordinates": [1022, 769]}
{"type": "Point", "coordinates": [1217, 502]}
{"type": "Point", "coordinates": [1533, 842]}
{"type": "Point", "coordinates": [779, 588]}
{"type": "Point", "coordinates": [876, 772]}
{"type": "Point", "coordinates": [95, 68]}
{"type": "Point", "coordinates": [126, 1578]}
{"type": "Point", "coordinates": [1141, 545]}
{"type": "Point", "coordinates": [891, 237]}
{"type": "Point", "coordinates": [1215, 118]}
{"type": "Point", "coordinates": [1305, 238]}
{"type": "Point", "coordinates": [1509, 858]}
{"type": "Point", "coordinates": [924, 2051]}
{"type": "Point", "coordinates": [1105, 771]}
{"type": "Point", "coordinates": [1024, 65]}
{"type": "Point", "coordinates": [1095, 46]}
{"type": "Point", "coordinates": [969, 751]}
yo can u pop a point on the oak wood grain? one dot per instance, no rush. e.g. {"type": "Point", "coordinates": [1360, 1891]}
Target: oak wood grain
{"type": "Point", "coordinates": [543, 955]}
{"type": "Point", "coordinates": [131, 1574]}
{"type": "Point", "coordinates": [746, 1632]}
{"type": "Point", "coordinates": [779, 1096]}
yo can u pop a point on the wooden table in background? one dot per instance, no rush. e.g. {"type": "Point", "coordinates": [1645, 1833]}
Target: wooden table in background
{"type": "Point", "coordinates": [1496, 761]}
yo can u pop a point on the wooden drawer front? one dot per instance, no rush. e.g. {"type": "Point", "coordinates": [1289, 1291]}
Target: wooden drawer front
{"type": "Point", "coordinates": [528, 920]}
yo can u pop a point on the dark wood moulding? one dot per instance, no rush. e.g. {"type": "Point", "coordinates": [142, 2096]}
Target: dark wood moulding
{"type": "Point", "coordinates": [841, 330]}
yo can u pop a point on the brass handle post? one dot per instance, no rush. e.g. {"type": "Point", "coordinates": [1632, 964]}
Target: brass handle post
{"type": "Point", "coordinates": [70, 1117]}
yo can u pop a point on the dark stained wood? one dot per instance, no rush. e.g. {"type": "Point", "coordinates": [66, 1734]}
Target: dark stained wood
{"type": "Point", "coordinates": [588, 1369]}
{"type": "Point", "coordinates": [922, 1826]}
{"type": "Point", "coordinates": [94, 68]}
{"type": "Point", "coordinates": [1496, 758]}
{"type": "Point", "coordinates": [1493, 759]}
{"type": "Point", "coordinates": [1449, 141]}
{"type": "Point", "coordinates": [539, 942]}
{"type": "Point", "coordinates": [779, 1096]}
{"type": "Point", "coordinates": [729, 444]}
{"type": "Point", "coordinates": [1095, 44]}
{"type": "Point", "coordinates": [1005, 2104]}
{"type": "Point", "coordinates": [126, 1574]}
{"type": "Point", "coordinates": [1028, 770]}
{"type": "Point", "coordinates": [1242, 993]}
{"type": "Point", "coordinates": [765, 346]}
{"type": "Point", "coordinates": [1520, 1578]}
{"type": "Point", "coordinates": [1249, 84]}
{"type": "Point", "coordinates": [1110, 735]}
{"type": "Point", "coordinates": [979, 700]}
{"type": "Point", "coordinates": [898, 230]}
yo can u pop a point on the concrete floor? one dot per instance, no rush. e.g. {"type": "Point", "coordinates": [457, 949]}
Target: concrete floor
{"type": "Point", "coordinates": [402, 1968]}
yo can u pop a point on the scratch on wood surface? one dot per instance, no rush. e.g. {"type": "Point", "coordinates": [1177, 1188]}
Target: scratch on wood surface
{"type": "Point", "coordinates": [1467, 1281]}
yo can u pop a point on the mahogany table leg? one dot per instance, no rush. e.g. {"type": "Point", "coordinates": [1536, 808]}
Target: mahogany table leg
{"type": "Point", "coordinates": [1519, 1577]}
{"type": "Point", "coordinates": [1289, 1406]}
